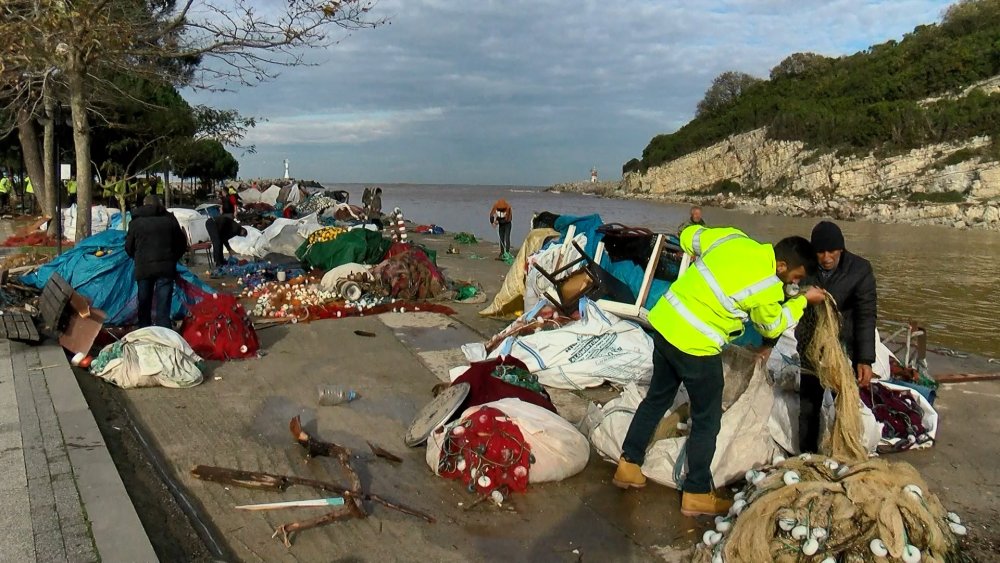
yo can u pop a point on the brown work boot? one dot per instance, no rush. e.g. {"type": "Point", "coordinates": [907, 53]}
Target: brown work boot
{"type": "Point", "coordinates": [704, 504]}
{"type": "Point", "coordinates": [628, 475]}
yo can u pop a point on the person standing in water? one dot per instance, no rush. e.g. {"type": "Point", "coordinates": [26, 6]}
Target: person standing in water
{"type": "Point", "coordinates": [502, 216]}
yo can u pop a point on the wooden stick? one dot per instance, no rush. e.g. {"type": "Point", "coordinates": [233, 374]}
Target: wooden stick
{"type": "Point", "coordinates": [286, 530]}
{"type": "Point", "coordinates": [271, 482]}
{"type": "Point", "coordinates": [384, 454]}
{"type": "Point", "coordinates": [315, 447]}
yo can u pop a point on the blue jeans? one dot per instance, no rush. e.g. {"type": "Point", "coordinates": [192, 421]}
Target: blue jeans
{"type": "Point", "coordinates": [702, 377]}
{"type": "Point", "coordinates": [163, 291]}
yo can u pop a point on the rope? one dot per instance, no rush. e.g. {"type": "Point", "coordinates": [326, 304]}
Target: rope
{"type": "Point", "coordinates": [812, 508]}
{"type": "Point", "coordinates": [836, 373]}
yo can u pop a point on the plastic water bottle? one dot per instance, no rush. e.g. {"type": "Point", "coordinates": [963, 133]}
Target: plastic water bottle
{"type": "Point", "coordinates": [330, 395]}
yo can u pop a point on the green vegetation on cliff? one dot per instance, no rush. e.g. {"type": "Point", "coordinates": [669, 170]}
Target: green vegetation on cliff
{"type": "Point", "coordinates": [877, 99]}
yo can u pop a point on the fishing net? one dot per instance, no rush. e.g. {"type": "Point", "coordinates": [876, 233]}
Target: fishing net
{"type": "Point", "coordinates": [812, 508]}
{"type": "Point", "coordinates": [834, 370]}
{"type": "Point", "coordinates": [466, 238]}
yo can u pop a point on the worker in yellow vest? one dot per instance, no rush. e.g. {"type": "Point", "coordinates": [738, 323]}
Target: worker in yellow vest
{"type": "Point", "coordinates": [71, 190]}
{"type": "Point", "coordinates": [29, 195]}
{"type": "Point", "coordinates": [5, 187]}
{"type": "Point", "coordinates": [106, 190]}
{"type": "Point", "coordinates": [159, 187]}
{"type": "Point", "coordinates": [119, 189]}
{"type": "Point", "coordinates": [733, 279]}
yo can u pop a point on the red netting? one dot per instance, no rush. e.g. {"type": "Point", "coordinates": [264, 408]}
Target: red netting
{"type": "Point", "coordinates": [217, 326]}
{"type": "Point", "coordinates": [340, 309]}
{"type": "Point", "coordinates": [37, 238]}
{"type": "Point", "coordinates": [486, 451]}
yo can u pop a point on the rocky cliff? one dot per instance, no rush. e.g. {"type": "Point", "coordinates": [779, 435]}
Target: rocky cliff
{"type": "Point", "coordinates": [953, 184]}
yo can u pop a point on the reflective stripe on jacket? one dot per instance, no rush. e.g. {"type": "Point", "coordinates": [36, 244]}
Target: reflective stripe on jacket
{"type": "Point", "coordinates": [731, 280]}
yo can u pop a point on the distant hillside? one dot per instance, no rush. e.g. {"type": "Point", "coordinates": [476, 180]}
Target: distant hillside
{"type": "Point", "coordinates": [882, 102]}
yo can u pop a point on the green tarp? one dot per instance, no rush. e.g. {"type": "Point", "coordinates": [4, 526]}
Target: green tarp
{"type": "Point", "coordinates": [360, 246]}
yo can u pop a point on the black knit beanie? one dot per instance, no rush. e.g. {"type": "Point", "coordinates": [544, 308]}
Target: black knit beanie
{"type": "Point", "coordinates": [827, 236]}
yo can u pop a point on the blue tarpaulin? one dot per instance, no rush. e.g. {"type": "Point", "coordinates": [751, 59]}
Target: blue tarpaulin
{"type": "Point", "coordinates": [586, 225]}
{"type": "Point", "coordinates": [108, 280]}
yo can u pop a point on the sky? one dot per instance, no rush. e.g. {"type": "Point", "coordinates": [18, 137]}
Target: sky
{"type": "Point", "coordinates": [528, 92]}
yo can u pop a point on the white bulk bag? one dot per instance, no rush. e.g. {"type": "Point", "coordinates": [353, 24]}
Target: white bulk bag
{"type": "Point", "coordinates": [559, 449]}
{"type": "Point", "coordinates": [743, 442]}
{"type": "Point", "coordinates": [599, 347]}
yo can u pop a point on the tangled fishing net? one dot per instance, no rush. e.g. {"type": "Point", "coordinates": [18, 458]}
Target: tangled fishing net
{"type": "Point", "coordinates": [812, 508]}
{"type": "Point", "coordinates": [834, 370]}
{"type": "Point", "coordinates": [841, 508]}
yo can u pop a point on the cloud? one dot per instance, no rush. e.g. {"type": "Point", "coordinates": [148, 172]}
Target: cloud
{"type": "Point", "coordinates": [533, 91]}
{"type": "Point", "coordinates": [333, 129]}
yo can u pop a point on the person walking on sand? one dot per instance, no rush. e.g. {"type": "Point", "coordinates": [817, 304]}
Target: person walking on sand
{"type": "Point", "coordinates": [155, 242]}
{"type": "Point", "coordinates": [502, 216]}
{"type": "Point", "coordinates": [734, 278]}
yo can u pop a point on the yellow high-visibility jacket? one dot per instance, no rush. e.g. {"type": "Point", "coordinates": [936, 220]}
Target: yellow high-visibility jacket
{"type": "Point", "coordinates": [5, 185]}
{"type": "Point", "coordinates": [28, 188]}
{"type": "Point", "coordinates": [731, 279]}
{"type": "Point", "coordinates": [71, 187]}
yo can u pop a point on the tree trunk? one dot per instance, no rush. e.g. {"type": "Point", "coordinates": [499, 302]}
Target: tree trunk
{"type": "Point", "coordinates": [46, 193]}
{"type": "Point", "coordinates": [29, 146]}
{"type": "Point", "coordinates": [81, 143]}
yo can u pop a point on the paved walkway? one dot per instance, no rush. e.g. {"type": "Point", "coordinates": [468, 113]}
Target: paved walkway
{"type": "Point", "coordinates": [63, 498]}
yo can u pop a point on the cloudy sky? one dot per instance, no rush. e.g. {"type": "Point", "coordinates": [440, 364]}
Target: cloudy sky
{"type": "Point", "coordinates": [529, 92]}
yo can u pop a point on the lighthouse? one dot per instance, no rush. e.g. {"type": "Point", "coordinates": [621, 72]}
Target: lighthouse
{"type": "Point", "coordinates": [286, 169]}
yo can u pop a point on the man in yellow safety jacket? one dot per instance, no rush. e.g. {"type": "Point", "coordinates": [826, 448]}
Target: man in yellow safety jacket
{"type": "Point", "coordinates": [29, 195]}
{"type": "Point", "coordinates": [5, 187]}
{"type": "Point", "coordinates": [732, 279]}
{"type": "Point", "coordinates": [71, 190]}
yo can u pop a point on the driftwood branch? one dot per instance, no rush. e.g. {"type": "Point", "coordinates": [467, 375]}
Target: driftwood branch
{"type": "Point", "coordinates": [353, 495]}
{"type": "Point", "coordinates": [315, 447]}
{"type": "Point", "coordinates": [384, 454]}
{"type": "Point", "coordinates": [272, 482]}
{"type": "Point", "coordinates": [286, 530]}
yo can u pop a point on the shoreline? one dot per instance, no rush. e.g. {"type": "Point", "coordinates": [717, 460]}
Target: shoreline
{"type": "Point", "coordinates": [956, 215]}
{"type": "Point", "coordinates": [239, 417]}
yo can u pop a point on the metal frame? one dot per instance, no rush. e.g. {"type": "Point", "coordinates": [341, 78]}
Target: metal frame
{"type": "Point", "coordinates": [913, 345]}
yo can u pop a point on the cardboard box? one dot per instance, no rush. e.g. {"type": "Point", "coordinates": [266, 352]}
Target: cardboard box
{"type": "Point", "coordinates": [83, 325]}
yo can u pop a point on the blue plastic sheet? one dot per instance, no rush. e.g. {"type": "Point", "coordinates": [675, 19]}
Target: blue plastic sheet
{"type": "Point", "coordinates": [587, 224]}
{"type": "Point", "coordinates": [632, 274]}
{"type": "Point", "coordinates": [108, 280]}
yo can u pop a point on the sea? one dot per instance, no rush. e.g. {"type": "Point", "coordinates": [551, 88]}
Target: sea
{"type": "Point", "coordinates": [945, 280]}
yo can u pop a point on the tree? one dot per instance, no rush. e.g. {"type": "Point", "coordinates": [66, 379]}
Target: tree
{"type": "Point", "coordinates": [724, 91]}
{"type": "Point", "coordinates": [205, 159]}
{"type": "Point", "coordinates": [84, 42]}
{"type": "Point", "coordinates": [798, 64]}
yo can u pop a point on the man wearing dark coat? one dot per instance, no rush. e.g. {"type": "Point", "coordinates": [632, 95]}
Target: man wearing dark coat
{"type": "Point", "coordinates": [849, 279]}
{"type": "Point", "coordinates": [155, 242]}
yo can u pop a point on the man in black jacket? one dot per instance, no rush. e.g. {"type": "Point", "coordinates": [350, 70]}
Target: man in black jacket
{"type": "Point", "coordinates": [850, 280]}
{"type": "Point", "coordinates": [221, 229]}
{"type": "Point", "coordinates": [155, 241]}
